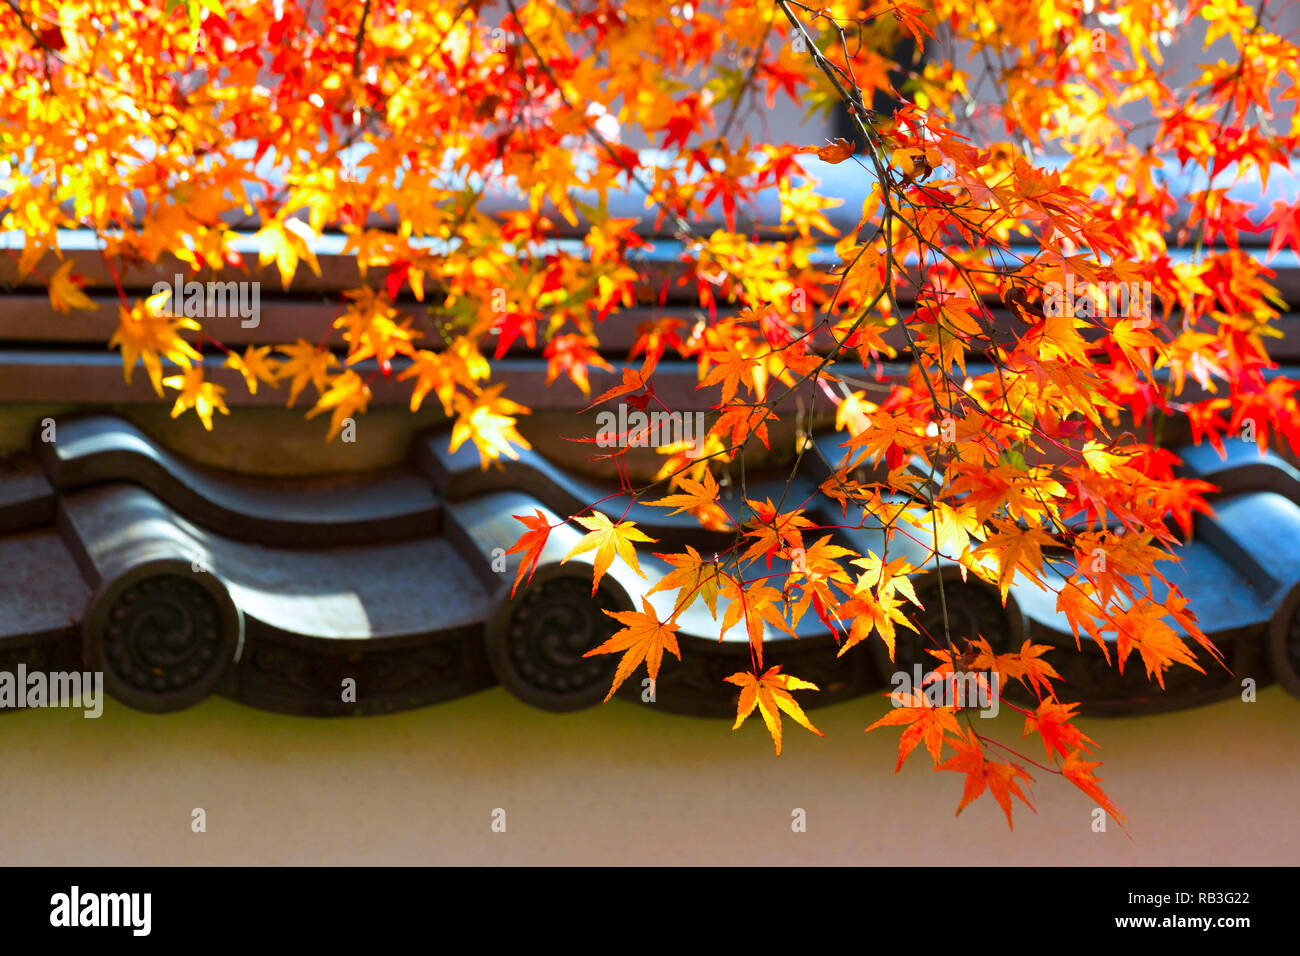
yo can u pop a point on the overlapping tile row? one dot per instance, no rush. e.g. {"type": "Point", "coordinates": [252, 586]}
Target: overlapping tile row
{"type": "Point", "coordinates": [364, 595]}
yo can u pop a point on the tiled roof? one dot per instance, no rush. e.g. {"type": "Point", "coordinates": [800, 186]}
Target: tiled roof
{"type": "Point", "coordinates": [183, 581]}
{"type": "Point", "coordinates": [180, 581]}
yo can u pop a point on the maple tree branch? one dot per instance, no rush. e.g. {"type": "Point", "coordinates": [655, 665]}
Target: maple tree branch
{"type": "Point", "coordinates": [747, 86]}
{"type": "Point", "coordinates": [46, 51]}
{"type": "Point", "coordinates": [360, 40]}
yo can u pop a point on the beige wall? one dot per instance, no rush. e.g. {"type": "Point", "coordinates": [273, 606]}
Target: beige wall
{"type": "Point", "coordinates": [618, 784]}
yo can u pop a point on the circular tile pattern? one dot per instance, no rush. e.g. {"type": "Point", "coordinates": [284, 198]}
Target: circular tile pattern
{"type": "Point", "coordinates": [537, 642]}
{"type": "Point", "coordinates": [162, 635]}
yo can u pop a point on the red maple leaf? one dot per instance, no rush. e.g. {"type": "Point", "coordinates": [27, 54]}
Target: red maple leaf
{"type": "Point", "coordinates": [1285, 221]}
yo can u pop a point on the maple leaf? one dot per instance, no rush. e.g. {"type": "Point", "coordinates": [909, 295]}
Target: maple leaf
{"type": "Point", "coordinates": [754, 605]}
{"type": "Point", "coordinates": [633, 380]}
{"type": "Point", "coordinates": [530, 543]}
{"type": "Point", "coordinates": [1141, 627]}
{"type": "Point", "coordinates": [285, 242]}
{"type": "Point", "coordinates": [1000, 779]}
{"type": "Point", "coordinates": [1052, 722]}
{"type": "Point", "coordinates": [196, 393]}
{"type": "Point", "coordinates": [441, 373]}
{"type": "Point", "coordinates": [879, 615]}
{"type": "Point", "coordinates": [770, 693]}
{"type": "Point", "coordinates": [255, 367]}
{"type": "Point", "coordinates": [348, 395]}
{"type": "Point", "coordinates": [148, 335]}
{"type": "Point", "coordinates": [812, 571]}
{"type": "Point", "coordinates": [373, 328]}
{"type": "Point", "coordinates": [489, 421]}
{"type": "Point", "coordinates": [910, 17]}
{"type": "Point", "coordinates": [572, 354]}
{"type": "Point", "coordinates": [655, 336]}
{"type": "Point", "coordinates": [510, 326]}
{"type": "Point", "coordinates": [692, 577]}
{"type": "Point", "coordinates": [643, 638]}
{"type": "Point", "coordinates": [1080, 773]}
{"type": "Point", "coordinates": [732, 369]}
{"type": "Point", "coordinates": [699, 494]}
{"type": "Point", "coordinates": [1075, 601]}
{"type": "Point", "coordinates": [924, 722]}
{"type": "Point", "coordinates": [952, 527]}
{"type": "Point", "coordinates": [874, 605]}
{"type": "Point", "coordinates": [739, 422]}
{"type": "Point", "coordinates": [1285, 222]}
{"type": "Point", "coordinates": [1013, 550]}
{"type": "Point", "coordinates": [1135, 343]}
{"type": "Point", "coordinates": [1184, 496]}
{"type": "Point", "coordinates": [882, 434]}
{"type": "Point", "coordinates": [608, 539]}
{"type": "Point", "coordinates": [305, 363]}
{"type": "Point", "coordinates": [65, 291]}
{"type": "Point", "coordinates": [1026, 665]}
{"type": "Point", "coordinates": [835, 152]}
{"type": "Point", "coordinates": [773, 531]}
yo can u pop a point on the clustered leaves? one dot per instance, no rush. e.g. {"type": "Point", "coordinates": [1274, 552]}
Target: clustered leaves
{"type": "Point", "coordinates": [1022, 440]}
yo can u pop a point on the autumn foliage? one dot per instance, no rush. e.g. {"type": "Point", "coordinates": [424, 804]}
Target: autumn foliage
{"type": "Point", "coordinates": [1016, 449]}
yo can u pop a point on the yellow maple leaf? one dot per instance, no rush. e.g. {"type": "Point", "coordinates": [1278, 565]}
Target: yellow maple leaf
{"type": "Point", "coordinates": [1016, 549]}
{"type": "Point", "coordinates": [608, 539]}
{"type": "Point", "coordinates": [64, 292]}
{"type": "Point", "coordinates": [148, 334]}
{"type": "Point", "coordinates": [488, 420]}
{"type": "Point", "coordinates": [692, 577]}
{"type": "Point", "coordinates": [348, 394]}
{"type": "Point", "coordinates": [255, 367]}
{"type": "Point", "coordinates": [285, 242]}
{"type": "Point", "coordinates": [770, 693]}
{"type": "Point", "coordinates": [306, 363]}
{"type": "Point", "coordinates": [197, 393]}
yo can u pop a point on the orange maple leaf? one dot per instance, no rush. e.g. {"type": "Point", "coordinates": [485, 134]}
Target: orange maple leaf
{"type": "Point", "coordinates": [738, 423]}
{"type": "Point", "coordinates": [643, 638]}
{"type": "Point", "coordinates": [1000, 779]}
{"type": "Point", "coordinates": [693, 577]}
{"type": "Point", "coordinates": [572, 354]}
{"type": "Point", "coordinates": [1025, 665]}
{"type": "Point", "coordinates": [773, 530]}
{"type": "Point", "coordinates": [633, 380]}
{"type": "Point", "coordinates": [754, 604]}
{"type": "Point", "coordinates": [910, 17]}
{"type": "Point", "coordinates": [699, 494]}
{"type": "Point", "coordinates": [836, 152]}
{"type": "Point", "coordinates": [1016, 549]}
{"type": "Point", "coordinates": [733, 370]}
{"type": "Point", "coordinates": [770, 693]}
{"type": "Point", "coordinates": [924, 721]}
{"type": "Point", "coordinates": [1079, 773]}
